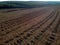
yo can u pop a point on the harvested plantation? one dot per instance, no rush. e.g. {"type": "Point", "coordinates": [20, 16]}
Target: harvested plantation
{"type": "Point", "coordinates": [39, 26]}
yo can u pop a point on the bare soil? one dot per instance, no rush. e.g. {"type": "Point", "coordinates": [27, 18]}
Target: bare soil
{"type": "Point", "coordinates": [36, 26]}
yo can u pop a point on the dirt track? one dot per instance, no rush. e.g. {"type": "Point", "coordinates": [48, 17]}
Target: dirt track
{"type": "Point", "coordinates": [38, 26]}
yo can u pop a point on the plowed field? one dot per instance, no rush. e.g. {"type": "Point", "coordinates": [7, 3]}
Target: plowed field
{"type": "Point", "coordinates": [36, 26]}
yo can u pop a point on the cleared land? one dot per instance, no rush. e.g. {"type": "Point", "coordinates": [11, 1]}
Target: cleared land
{"type": "Point", "coordinates": [36, 26]}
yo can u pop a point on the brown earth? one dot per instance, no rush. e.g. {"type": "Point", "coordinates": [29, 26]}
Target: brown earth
{"type": "Point", "coordinates": [36, 26]}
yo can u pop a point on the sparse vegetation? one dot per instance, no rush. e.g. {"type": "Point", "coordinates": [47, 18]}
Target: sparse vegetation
{"type": "Point", "coordinates": [27, 4]}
